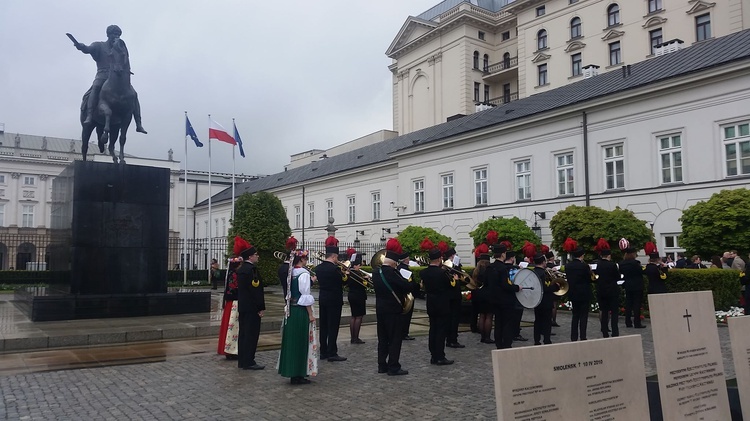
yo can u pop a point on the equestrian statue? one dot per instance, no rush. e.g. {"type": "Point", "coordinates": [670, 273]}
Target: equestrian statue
{"type": "Point", "coordinates": [111, 102]}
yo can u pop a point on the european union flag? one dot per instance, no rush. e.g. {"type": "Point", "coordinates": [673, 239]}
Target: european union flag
{"type": "Point", "coordinates": [238, 140]}
{"type": "Point", "coordinates": [190, 132]}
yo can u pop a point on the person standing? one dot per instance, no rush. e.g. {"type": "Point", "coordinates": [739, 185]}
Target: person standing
{"type": "Point", "coordinates": [579, 277]}
{"type": "Point", "coordinates": [455, 298]}
{"type": "Point", "coordinates": [681, 262]}
{"type": "Point", "coordinates": [283, 271]}
{"type": "Point", "coordinates": [437, 285]}
{"type": "Point", "coordinates": [696, 263]}
{"type": "Point", "coordinates": [655, 270]}
{"type": "Point", "coordinates": [215, 274]}
{"type": "Point", "coordinates": [251, 307]}
{"type": "Point", "coordinates": [357, 297]}
{"type": "Point", "coordinates": [390, 294]}
{"type": "Point", "coordinates": [607, 290]}
{"type": "Point", "coordinates": [737, 262]}
{"type": "Point", "coordinates": [331, 280]}
{"type": "Point", "coordinates": [403, 263]}
{"type": "Point", "coordinates": [298, 356]}
{"type": "Point", "coordinates": [745, 282]}
{"type": "Point", "coordinates": [503, 295]}
{"type": "Point", "coordinates": [543, 312]}
{"type": "Point", "coordinates": [551, 264]}
{"type": "Point", "coordinates": [230, 327]}
{"type": "Point", "coordinates": [479, 295]}
{"type": "Point", "coordinates": [632, 275]}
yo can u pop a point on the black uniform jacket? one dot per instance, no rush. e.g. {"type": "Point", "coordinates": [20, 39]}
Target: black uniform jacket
{"type": "Point", "coordinates": [501, 291]}
{"type": "Point", "coordinates": [578, 275]}
{"type": "Point", "coordinates": [330, 284]}
{"type": "Point", "coordinates": [548, 287]}
{"type": "Point", "coordinates": [609, 274]}
{"type": "Point", "coordinates": [632, 274]}
{"type": "Point", "coordinates": [250, 298]}
{"type": "Point", "coordinates": [653, 273]}
{"type": "Point", "coordinates": [283, 272]}
{"type": "Point", "coordinates": [385, 302]}
{"type": "Point", "coordinates": [437, 286]}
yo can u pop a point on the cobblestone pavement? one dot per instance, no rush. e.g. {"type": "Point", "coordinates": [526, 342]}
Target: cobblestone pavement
{"type": "Point", "coordinates": [206, 386]}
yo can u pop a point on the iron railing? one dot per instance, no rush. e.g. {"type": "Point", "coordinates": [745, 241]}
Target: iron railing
{"type": "Point", "coordinates": [501, 66]}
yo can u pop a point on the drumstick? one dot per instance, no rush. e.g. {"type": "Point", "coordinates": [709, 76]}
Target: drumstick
{"type": "Point", "coordinates": [528, 288]}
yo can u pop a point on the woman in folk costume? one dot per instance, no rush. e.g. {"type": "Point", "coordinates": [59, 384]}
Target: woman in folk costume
{"type": "Point", "coordinates": [230, 328]}
{"type": "Point", "coordinates": [299, 344]}
{"type": "Point", "coordinates": [357, 297]}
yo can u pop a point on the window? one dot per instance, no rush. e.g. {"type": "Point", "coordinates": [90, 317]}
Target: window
{"type": "Point", "coordinates": [329, 209]}
{"type": "Point", "coordinates": [419, 196]}
{"type": "Point", "coordinates": [506, 35]}
{"type": "Point", "coordinates": [614, 166]}
{"type": "Point", "coordinates": [28, 181]}
{"type": "Point", "coordinates": [447, 191]}
{"type": "Point", "coordinates": [523, 179]}
{"type": "Point", "coordinates": [540, 11]}
{"type": "Point", "coordinates": [486, 93]}
{"type": "Point", "coordinates": [216, 227]}
{"type": "Point", "coordinates": [703, 27]}
{"type": "Point", "coordinates": [376, 206]}
{"type": "Point", "coordinates": [311, 214]}
{"type": "Point", "coordinates": [670, 151]}
{"type": "Point", "coordinates": [486, 62]}
{"type": "Point", "coordinates": [2, 215]}
{"type": "Point", "coordinates": [224, 226]}
{"type": "Point", "coordinates": [477, 85]}
{"type": "Point", "coordinates": [654, 5]}
{"type": "Point", "coordinates": [205, 225]}
{"type": "Point", "coordinates": [352, 209]}
{"type": "Point", "coordinates": [27, 216]}
{"type": "Point", "coordinates": [575, 64]}
{"type": "Point", "coordinates": [542, 74]}
{"type": "Point", "coordinates": [297, 217]}
{"type": "Point", "coordinates": [480, 186]}
{"type": "Point", "coordinates": [613, 15]}
{"type": "Point", "coordinates": [656, 38]}
{"type": "Point", "coordinates": [672, 245]}
{"type": "Point", "coordinates": [737, 148]}
{"type": "Point", "coordinates": [2, 179]}
{"type": "Point", "coordinates": [615, 56]}
{"type": "Point", "coordinates": [476, 59]}
{"type": "Point", "coordinates": [575, 28]}
{"type": "Point", "coordinates": [480, 35]}
{"type": "Point", "coordinates": [565, 174]}
{"type": "Point", "coordinates": [541, 40]}
{"type": "Point", "coordinates": [572, 1]}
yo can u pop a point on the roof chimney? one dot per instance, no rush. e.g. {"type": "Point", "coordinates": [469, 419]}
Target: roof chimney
{"type": "Point", "coordinates": [2, 127]}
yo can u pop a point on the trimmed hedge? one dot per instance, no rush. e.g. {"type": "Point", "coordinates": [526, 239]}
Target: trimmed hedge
{"type": "Point", "coordinates": [32, 277]}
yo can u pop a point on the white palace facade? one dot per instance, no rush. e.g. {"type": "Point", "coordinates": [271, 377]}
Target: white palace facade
{"type": "Point", "coordinates": [654, 137]}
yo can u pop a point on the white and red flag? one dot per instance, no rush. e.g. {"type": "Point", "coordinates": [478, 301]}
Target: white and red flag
{"type": "Point", "coordinates": [218, 132]}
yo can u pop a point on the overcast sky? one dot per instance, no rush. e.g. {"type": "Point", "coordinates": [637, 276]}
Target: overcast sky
{"type": "Point", "coordinates": [296, 75]}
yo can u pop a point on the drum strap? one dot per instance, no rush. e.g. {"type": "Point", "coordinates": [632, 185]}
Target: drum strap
{"type": "Point", "coordinates": [389, 287]}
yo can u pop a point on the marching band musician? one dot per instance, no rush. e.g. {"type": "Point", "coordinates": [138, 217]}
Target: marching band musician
{"type": "Point", "coordinates": [479, 295]}
{"type": "Point", "coordinates": [357, 297]}
{"type": "Point", "coordinates": [291, 245]}
{"type": "Point", "coordinates": [543, 312]}
{"type": "Point", "coordinates": [607, 290]}
{"type": "Point", "coordinates": [390, 293]}
{"type": "Point", "coordinates": [437, 285]}
{"type": "Point", "coordinates": [403, 263]}
{"type": "Point", "coordinates": [502, 294]}
{"type": "Point", "coordinates": [455, 299]}
{"type": "Point", "coordinates": [510, 263]}
{"type": "Point", "coordinates": [655, 270]}
{"type": "Point", "coordinates": [331, 300]}
{"type": "Point", "coordinates": [251, 306]}
{"type": "Point", "coordinates": [551, 265]}
{"type": "Point", "coordinates": [632, 273]}
{"type": "Point", "coordinates": [579, 278]}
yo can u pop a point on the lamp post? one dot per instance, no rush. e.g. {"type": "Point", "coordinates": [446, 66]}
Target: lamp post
{"type": "Point", "coordinates": [383, 232]}
{"type": "Point", "coordinates": [536, 228]}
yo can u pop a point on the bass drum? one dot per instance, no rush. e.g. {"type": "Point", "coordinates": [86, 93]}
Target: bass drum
{"type": "Point", "coordinates": [531, 291]}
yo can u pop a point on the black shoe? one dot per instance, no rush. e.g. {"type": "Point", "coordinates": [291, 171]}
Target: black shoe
{"type": "Point", "coordinates": [357, 341]}
{"type": "Point", "coordinates": [398, 373]}
{"type": "Point", "coordinates": [409, 338]}
{"type": "Point", "coordinates": [444, 361]}
{"type": "Point", "coordinates": [231, 356]}
{"type": "Point", "coordinates": [474, 330]}
{"type": "Point", "coordinates": [554, 324]}
{"type": "Point", "coordinates": [336, 358]}
{"type": "Point", "coordinates": [300, 380]}
{"type": "Point", "coordinates": [488, 341]}
{"type": "Point", "coordinates": [640, 327]}
{"type": "Point", "coordinates": [628, 324]}
{"type": "Point", "coordinates": [537, 343]}
{"type": "Point", "coordinates": [254, 367]}
{"type": "Point", "coordinates": [520, 338]}
{"type": "Point", "coordinates": [455, 345]}
{"type": "Point", "coordinates": [382, 370]}
{"type": "Point", "coordinates": [553, 334]}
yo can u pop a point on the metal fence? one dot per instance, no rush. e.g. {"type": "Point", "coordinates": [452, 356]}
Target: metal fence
{"type": "Point", "coordinates": [366, 249]}
{"type": "Point", "coordinates": [197, 252]}
{"type": "Point", "coordinates": [24, 251]}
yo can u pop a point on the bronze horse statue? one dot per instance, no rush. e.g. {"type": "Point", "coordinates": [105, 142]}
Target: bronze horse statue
{"type": "Point", "coordinates": [114, 111]}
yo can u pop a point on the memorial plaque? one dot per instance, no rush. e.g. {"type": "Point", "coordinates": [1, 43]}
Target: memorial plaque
{"type": "Point", "coordinates": [739, 327]}
{"type": "Point", "coordinates": [596, 380]}
{"type": "Point", "coordinates": [688, 357]}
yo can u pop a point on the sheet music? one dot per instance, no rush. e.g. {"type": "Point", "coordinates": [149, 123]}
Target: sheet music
{"type": "Point", "coordinates": [406, 274]}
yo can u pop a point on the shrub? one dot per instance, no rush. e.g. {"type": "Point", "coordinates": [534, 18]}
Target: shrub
{"type": "Point", "coordinates": [718, 224]}
{"type": "Point", "coordinates": [411, 238]}
{"type": "Point", "coordinates": [512, 229]}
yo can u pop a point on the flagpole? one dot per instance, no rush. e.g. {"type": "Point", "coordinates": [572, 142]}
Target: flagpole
{"type": "Point", "coordinates": [184, 244]}
{"type": "Point", "coordinates": [231, 215]}
{"type": "Point", "coordinates": [208, 234]}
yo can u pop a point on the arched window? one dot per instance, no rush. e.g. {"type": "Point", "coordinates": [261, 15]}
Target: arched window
{"type": "Point", "coordinates": [506, 60]}
{"type": "Point", "coordinates": [613, 15]}
{"type": "Point", "coordinates": [486, 63]}
{"type": "Point", "coordinates": [541, 40]}
{"type": "Point", "coordinates": [476, 59]}
{"type": "Point", "coordinates": [575, 28]}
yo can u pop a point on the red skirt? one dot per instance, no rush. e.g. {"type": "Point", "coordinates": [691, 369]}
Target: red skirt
{"type": "Point", "coordinates": [224, 327]}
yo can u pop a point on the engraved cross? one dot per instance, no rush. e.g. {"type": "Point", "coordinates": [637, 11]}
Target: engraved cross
{"type": "Point", "coordinates": [687, 319]}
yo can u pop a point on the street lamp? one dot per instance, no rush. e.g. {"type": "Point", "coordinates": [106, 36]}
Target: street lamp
{"type": "Point", "coordinates": [536, 228]}
{"type": "Point", "coordinates": [383, 232]}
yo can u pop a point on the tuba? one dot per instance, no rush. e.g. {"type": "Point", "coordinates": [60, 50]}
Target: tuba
{"type": "Point", "coordinates": [559, 279]}
{"type": "Point", "coordinates": [408, 302]}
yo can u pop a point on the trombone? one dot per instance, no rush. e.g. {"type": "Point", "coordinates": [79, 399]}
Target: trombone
{"type": "Point", "coordinates": [284, 258]}
{"type": "Point", "coordinates": [462, 276]}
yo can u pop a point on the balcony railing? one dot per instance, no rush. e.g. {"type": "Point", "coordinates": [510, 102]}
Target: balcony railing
{"type": "Point", "coordinates": [501, 66]}
{"type": "Point", "coordinates": [494, 102]}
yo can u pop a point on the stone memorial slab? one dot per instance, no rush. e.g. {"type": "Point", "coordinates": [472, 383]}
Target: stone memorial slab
{"type": "Point", "coordinates": [596, 380]}
{"type": "Point", "coordinates": [688, 357]}
{"type": "Point", "coordinates": [739, 334]}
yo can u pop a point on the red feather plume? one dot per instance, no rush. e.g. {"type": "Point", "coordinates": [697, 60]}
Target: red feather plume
{"type": "Point", "coordinates": [426, 245]}
{"type": "Point", "coordinates": [570, 245]}
{"type": "Point", "coordinates": [350, 251]}
{"type": "Point", "coordinates": [545, 249]}
{"type": "Point", "coordinates": [240, 245]}
{"type": "Point", "coordinates": [508, 245]}
{"type": "Point", "coordinates": [443, 247]}
{"type": "Point", "coordinates": [492, 237]}
{"type": "Point", "coordinates": [528, 249]}
{"type": "Point", "coordinates": [650, 248]}
{"type": "Point", "coordinates": [481, 249]}
{"type": "Point", "coordinates": [602, 244]}
{"type": "Point", "coordinates": [291, 243]}
{"type": "Point", "coordinates": [332, 242]}
{"type": "Point", "coordinates": [394, 246]}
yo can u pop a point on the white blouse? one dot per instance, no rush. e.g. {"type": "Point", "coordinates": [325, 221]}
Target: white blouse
{"type": "Point", "coordinates": [305, 298]}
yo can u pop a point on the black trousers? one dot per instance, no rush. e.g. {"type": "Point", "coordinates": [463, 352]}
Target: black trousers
{"type": "Point", "coordinates": [474, 315]}
{"type": "Point", "coordinates": [543, 323]}
{"type": "Point", "coordinates": [390, 336]}
{"type": "Point", "coordinates": [407, 322]}
{"type": "Point", "coordinates": [455, 316]}
{"type": "Point", "coordinates": [505, 328]}
{"type": "Point", "coordinates": [633, 307]}
{"type": "Point", "coordinates": [330, 319]}
{"type": "Point", "coordinates": [247, 342]}
{"type": "Point", "coordinates": [580, 319]}
{"type": "Point", "coordinates": [609, 305]}
{"type": "Point", "coordinates": [517, 320]}
{"type": "Point", "coordinates": [438, 332]}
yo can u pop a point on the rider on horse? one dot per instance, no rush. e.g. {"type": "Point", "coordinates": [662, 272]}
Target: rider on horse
{"type": "Point", "coordinates": [101, 53]}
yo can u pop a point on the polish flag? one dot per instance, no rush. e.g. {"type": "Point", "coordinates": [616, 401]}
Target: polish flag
{"type": "Point", "coordinates": [216, 131]}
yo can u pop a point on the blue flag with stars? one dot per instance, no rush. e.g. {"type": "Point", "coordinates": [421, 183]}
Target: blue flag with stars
{"type": "Point", "coordinates": [190, 132]}
{"type": "Point", "coordinates": [238, 140]}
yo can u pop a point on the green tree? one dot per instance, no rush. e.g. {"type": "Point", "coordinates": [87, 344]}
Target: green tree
{"type": "Point", "coordinates": [411, 238]}
{"type": "Point", "coordinates": [512, 229]}
{"type": "Point", "coordinates": [721, 223]}
{"type": "Point", "coordinates": [586, 224]}
{"type": "Point", "coordinates": [260, 219]}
